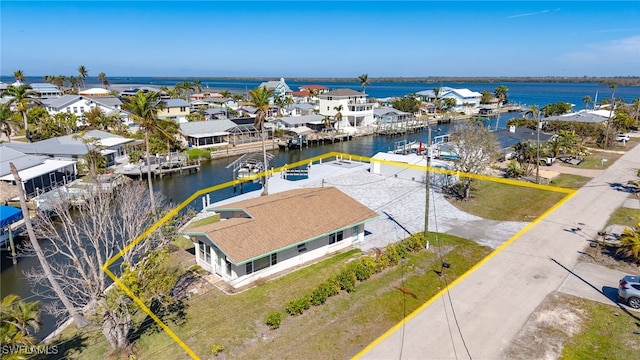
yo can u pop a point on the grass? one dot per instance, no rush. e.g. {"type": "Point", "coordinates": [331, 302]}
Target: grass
{"type": "Point", "coordinates": [340, 328]}
{"type": "Point", "coordinates": [497, 201]}
{"type": "Point", "coordinates": [569, 181]}
{"type": "Point", "coordinates": [594, 161]}
{"type": "Point", "coordinates": [625, 216]}
{"type": "Point", "coordinates": [607, 332]}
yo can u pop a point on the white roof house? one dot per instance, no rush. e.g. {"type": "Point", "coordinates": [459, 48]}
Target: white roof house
{"type": "Point", "coordinates": [279, 87]}
{"type": "Point", "coordinates": [462, 96]}
{"type": "Point", "coordinates": [356, 110]}
{"type": "Point", "coordinates": [94, 92]}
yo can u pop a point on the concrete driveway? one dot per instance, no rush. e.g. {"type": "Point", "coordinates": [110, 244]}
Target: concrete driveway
{"type": "Point", "coordinates": [484, 309]}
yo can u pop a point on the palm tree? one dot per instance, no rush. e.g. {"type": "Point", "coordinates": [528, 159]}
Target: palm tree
{"type": "Point", "coordinates": [8, 123]}
{"type": "Point", "coordinates": [196, 85]}
{"type": "Point", "coordinates": [19, 75]}
{"type": "Point", "coordinates": [586, 100]}
{"type": "Point", "coordinates": [58, 81]}
{"type": "Point", "coordinates": [225, 94]}
{"type": "Point", "coordinates": [364, 81]}
{"type": "Point", "coordinates": [338, 116]}
{"type": "Point", "coordinates": [74, 83]}
{"type": "Point", "coordinates": [630, 244]}
{"type": "Point", "coordinates": [17, 317]}
{"type": "Point", "coordinates": [501, 93]}
{"type": "Point", "coordinates": [103, 79]}
{"type": "Point", "coordinates": [82, 74]}
{"type": "Point", "coordinates": [145, 107]}
{"type": "Point", "coordinates": [260, 99]}
{"type": "Point", "coordinates": [436, 93]}
{"type": "Point", "coordinates": [22, 97]}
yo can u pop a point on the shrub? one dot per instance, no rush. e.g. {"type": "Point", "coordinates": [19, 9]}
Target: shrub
{"type": "Point", "coordinates": [361, 270]}
{"type": "Point", "coordinates": [273, 320]}
{"type": "Point", "coordinates": [195, 154]}
{"type": "Point", "coordinates": [414, 243]}
{"type": "Point", "coordinates": [370, 263]}
{"type": "Point", "coordinates": [298, 306]}
{"type": "Point", "coordinates": [320, 294]}
{"type": "Point", "coordinates": [332, 286]}
{"type": "Point", "coordinates": [217, 348]}
{"type": "Point", "coordinates": [393, 253]}
{"type": "Point", "coordinates": [382, 263]}
{"type": "Point", "coordinates": [347, 280]}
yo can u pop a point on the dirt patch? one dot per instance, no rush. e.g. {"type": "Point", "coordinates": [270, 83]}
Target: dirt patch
{"type": "Point", "coordinates": [542, 337]}
{"type": "Point", "coordinates": [606, 256]}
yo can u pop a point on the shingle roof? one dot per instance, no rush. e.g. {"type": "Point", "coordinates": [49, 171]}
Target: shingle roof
{"type": "Point", "coordinates": [282, 220]}
{"type": "Point", "coordinates": [19, 159]}
{"type": "Point", "coordinates": [68, 144]}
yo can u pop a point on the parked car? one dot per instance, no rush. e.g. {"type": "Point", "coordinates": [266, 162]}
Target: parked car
{"type": "Point", "coordinates": [622, 137]}
{"type": "Point", "coordinates": [629, 291]}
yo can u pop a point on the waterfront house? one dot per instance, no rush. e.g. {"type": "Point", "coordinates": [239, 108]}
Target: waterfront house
{"type": "Point", "coordinates": [249, 240]}
{"type": "Point", "coordinates": [356, 110]}
{"type": "Point", "coordinates": [464, 98]}
{"type": "Point", "coordinates": [175, 109]}
{"type": "Point", "coordinates": [299, 109]}
{"type": "Point", "coordinates": [74, 147]}
{"type": "Point", "coordinates": [389, 115]}
{"type": "Point", "coordinates": [279, 87]}
{"type": "Point", "coordinates": [583, 116]}
{"type": "Point", "coordinates": [215, 114]}
{"type": "Point", "coordinates": [314, 122]}
{"type": "Point", "coordinates": [38, 174]}
{"type": "Point", "coordinates": [206, 134]}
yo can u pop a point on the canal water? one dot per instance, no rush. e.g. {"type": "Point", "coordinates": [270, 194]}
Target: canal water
{"type": "Point", "coordinates": [177, 188]}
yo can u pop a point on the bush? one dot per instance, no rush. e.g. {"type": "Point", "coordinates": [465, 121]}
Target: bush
{"type": "Point", "coordinates": [362, 270]}
{"type": "Point", "coordinates": [298, 306]}
{"type": "Point", "coordinates": [217, 348]}
{"type": "Point", "coordinates": [382, 262]}
{"type": "Point", "coordinates": [273, 320]}
{"type": "Point", "coordinates": [393, 253]}
{"type": "Point", "coordinates": [414, 243]}
{"type": "Point", "coordinates": [320, 294]}
{"type": "Point", "coordinates": [195, 154]}
{"type": "Point", "coordinates": [369, 262]}
{"type": "Point", "coordinates": [347, 280]}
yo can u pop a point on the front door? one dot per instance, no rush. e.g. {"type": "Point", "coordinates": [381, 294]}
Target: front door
{"type": "Point", "coordinates": [219, 262]}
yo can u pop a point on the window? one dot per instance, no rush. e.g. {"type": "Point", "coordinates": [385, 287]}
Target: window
{"type": "Point", "coordinates": [82, 109]}
{"type": "Point", "coordinates": [262, 263]}
{"type": "Point", "coordinates": [183, 109]}
{"type": "Point", "coordinates": [335, 237]}
{"type": "Point", "coordinates": [249, 268]}
{"type": "Point", "coordinates": [68, 109]}
{"type": "Point", "coordinates": [274, 259]}
{"type": "Point", "coordinates": [205, 252]}
{"type": "Point", "coordinates": [354, 231]}
{"type": "Point", "coordinates": [75, 110]}
{"type": "Point", "coordinates": [302, 247]}
{"type": "Point", "coordinates": [228, 267]}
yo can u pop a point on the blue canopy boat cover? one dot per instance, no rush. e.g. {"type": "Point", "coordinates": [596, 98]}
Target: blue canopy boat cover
{"type": "Point", "coordinates": [9, 215]}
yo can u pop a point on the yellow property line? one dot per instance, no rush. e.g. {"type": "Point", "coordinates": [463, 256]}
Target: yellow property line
{"type": "Point", "coordinates": [319, 158]}
{"type": "Point", "coordinates": [570, 194]}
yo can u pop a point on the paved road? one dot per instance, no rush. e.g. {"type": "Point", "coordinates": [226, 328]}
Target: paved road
{"type": "Point", "coordinates": [485, 309]}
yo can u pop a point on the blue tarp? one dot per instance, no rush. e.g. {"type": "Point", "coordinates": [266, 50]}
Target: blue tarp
{"type": "Point", "coordinates": [9, 215]}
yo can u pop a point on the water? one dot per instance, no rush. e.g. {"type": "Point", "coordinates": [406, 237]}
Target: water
{"type": "Point", "coordinates": [522, 93]}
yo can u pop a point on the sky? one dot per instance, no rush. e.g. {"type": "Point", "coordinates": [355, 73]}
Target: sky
{"type": "Point", "coordinates": [321, 38]}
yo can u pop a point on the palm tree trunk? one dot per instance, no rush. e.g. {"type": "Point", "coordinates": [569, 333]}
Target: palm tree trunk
{"type": "Point", "coordinates": [265, 190]}
{"type": "Point", "coordinates": [77, 316]}
{"type": "Point", "coordinates": [151, 197]}
{"type": "Point", "coordinates": [26, 126]}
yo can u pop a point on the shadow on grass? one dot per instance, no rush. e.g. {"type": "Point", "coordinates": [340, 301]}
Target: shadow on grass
{"type": "Point", "coordinates": [65, 348]}
{"type": "Point", "coordinates": [604, 293]}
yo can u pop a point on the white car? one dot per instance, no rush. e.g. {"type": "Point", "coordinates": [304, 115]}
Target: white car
{"type": "Point", "coordinates": [622, 137]}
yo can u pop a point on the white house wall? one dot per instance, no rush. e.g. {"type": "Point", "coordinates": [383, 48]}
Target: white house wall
{"type": "Point", "coordinates": [286, 259]}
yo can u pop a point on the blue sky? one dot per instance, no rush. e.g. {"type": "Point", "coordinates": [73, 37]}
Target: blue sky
{"type": "Point", "coordinates": [321, 38]}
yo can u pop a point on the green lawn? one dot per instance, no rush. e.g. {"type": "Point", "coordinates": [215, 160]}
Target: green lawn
{"type": "Point", "coordinates": [625, 216]}
{"type": "Point", "coordinates": [569, 181]}
{"type": "Point", "coordinates": [594, 160]}
{"type": "Point", "coordinates": [497, 201]}
{"type": "Point", "coordinates": [339, 329]}
{"type": "Point", "coordinates": [607, 332]}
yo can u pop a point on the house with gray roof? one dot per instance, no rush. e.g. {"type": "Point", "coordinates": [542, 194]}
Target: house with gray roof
{"type": "Point", "coordinates": [46, 90]}
{"type": "Point", "coordinates": [389, 115]}
{"type": "Point", "coordinates": [279, 87]}
{"type": "Point", "coordinates": [175, 109]}
{"type": "Point", "coordinates": [73, 147]}
{"type": "Point", "coordinates": [583, 116]}
{"type": "Point", "coordinates": [299, 109]}
{"type": "Point", "coordinates": [313, 121]}
{"type": "Point", "coordinates": [206, 134]}
{"type": "Point", "coordinates": [78, 105]}
{"type": "Point", "coordinates": [38, 173]}
{"type": "Point", "coordinates": [464, 98]}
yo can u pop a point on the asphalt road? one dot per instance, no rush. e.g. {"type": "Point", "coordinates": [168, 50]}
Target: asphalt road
{"type": "Point", "coordinates": [484, 309]}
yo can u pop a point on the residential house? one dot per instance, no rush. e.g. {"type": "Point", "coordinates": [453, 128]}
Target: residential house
{"type": "Point", "coordinates": [583, 116]}
{"type": "Point", "coordinates": [262, 236]}
{"type": "Point", "coordinates": [465, 98]}
{"type": "Point", "coordinates": [507, 138]}
{"type": "Point", "coordinates": [279, 87]}
{"type": "Point", "coordinates": [299, 109]}
{"type": "Point", "coordinates": [79, 104]}
{"type": "Point", "coordinates": [215, 114]}
{"type": "Point", "coordinates": [38, 174]}
{"type": "Point", "coordinates": [114, 148]}
{"type": "Point", "coordinates": [95, 92]}
{"type": "Point", "coordinates": [46, 90]}
{"type": "Point", "coordinates": [389, 115]}
{"type": "Point", "coordinates": [175, 109]}
{"type": "Point", "coordinates": [313, 122]}
{"type": "Point", "coordinates": [356, 110]}
{"type": "Point", "coordinates": [206, 134]}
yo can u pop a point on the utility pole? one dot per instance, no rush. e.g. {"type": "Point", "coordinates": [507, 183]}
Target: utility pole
{"type": "Point", "coordinates": [611, 108]}
{"type": "Point", "coordinates": [428, 181]}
